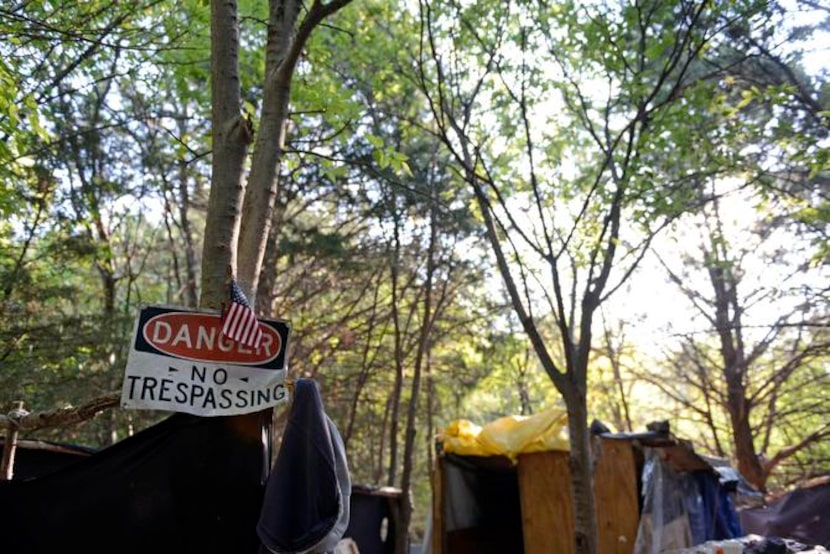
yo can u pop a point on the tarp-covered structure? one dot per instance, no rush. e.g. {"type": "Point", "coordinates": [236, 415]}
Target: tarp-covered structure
{"type": "Point", "coordinates": [505, 487]}
{"type": "Point", "coordinates": [188, 485]}
{"type": "Point", "coordinates": [802, 514]}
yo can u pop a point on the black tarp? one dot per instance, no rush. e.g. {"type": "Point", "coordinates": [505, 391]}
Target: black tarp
{"type": "Point", "coordinates": [803, 515]}
{"type": "Point", "coordinates": [371, 522]}
{"type": "Point", "coordinates": [34, 458]}
{"type": "Point", "coordinates": [372, 519]}
{"type": "Point", "coordinates": [185, 485]}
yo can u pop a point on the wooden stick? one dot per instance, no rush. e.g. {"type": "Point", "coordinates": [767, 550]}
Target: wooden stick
{"type": "Point", "coordinates": [64, 416]}
{"type": "Point", "coordinates": [68, 416]}
{"type": "Point", "coordinates": [10, 448]}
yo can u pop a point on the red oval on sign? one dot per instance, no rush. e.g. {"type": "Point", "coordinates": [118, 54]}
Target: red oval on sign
{"type": "Point", "coordinates": [199, 337]}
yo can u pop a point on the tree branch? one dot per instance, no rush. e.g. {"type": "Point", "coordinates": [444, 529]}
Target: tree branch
{"type": "Point", "coordinates": [64, 416]}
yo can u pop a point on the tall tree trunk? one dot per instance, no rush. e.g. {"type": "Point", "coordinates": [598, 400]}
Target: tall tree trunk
{"type": "Point", "coordinates": [582, 475]}
{"type": "Point", "coordinates": [284, 46]}
{"type": "Point", "coordinates": [281, 55]}
{"type": "Point", "coordinates": [231, 137]}
{"type": "Point", "coordinates": [572, 383]}
{"type": "Point", "coordinates": [402, 538]}
{"type": "Point", "coordinates": [748, 463]}
{"type": "Point", "coordinates": [395, 399]}
{"type": "Point", "coordinates": [729, 327]}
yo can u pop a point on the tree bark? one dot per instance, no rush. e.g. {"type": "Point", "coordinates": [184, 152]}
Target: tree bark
{"type": "Point", "coordinates": [402, 539]}
{"type": "Point", "coordinates": [283, 50]}
{"type": "Point", "coordinates": [231, 137]}
{"type": "Point", "coordinates": [582, 474]}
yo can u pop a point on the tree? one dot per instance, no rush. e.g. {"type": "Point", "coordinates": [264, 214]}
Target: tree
{"type": "Point", "coordinates": [763, 332]}
{"type": "Point", "coordinates": [776, 124]}
{"type": "Point", "coordinates": [69, 156]}
{"type": "Point", "coordinates": [571, 180]}
{"type": "Point", "coordinates": [240, 211]}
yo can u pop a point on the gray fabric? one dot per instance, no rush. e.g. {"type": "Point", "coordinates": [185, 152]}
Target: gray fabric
{"type": "Point", "coordinates": [306, 504]}
{"type": "Point", "coordinates": [329, 543]}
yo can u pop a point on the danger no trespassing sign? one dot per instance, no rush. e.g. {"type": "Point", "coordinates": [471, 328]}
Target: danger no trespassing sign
{"type": "Point", "coordinates": [180, 361]}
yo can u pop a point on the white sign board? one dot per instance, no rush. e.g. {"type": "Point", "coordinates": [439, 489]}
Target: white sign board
{"type": "Point", "coordinates": [180, 361]}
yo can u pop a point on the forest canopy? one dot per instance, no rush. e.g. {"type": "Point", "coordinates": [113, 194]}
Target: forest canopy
{"type": "Point", "coordinates": [476, 209]}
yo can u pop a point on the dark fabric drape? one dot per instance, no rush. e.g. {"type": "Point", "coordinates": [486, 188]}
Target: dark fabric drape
{"type": "Point", "coordinates": [306, 504]}
{"type": "Point", "coordinates": [803, 514]}
{"type": "Point", "coordinates": [185, 485]}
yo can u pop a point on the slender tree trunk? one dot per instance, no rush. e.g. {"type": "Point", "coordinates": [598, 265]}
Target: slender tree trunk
{"type": "Point", "coordinates": [266, 289]}
{"type": "Point", "coordinates": [582, 475]}
{"type": "Point", "coordinates": [174, 291]}
{"type": "Point", "coordinates": [430, 413]}
{"type": "Point", "coordinates": [379, 466]}
{"type": "Point", "coordinates": [190, 286]}
{"type": "Point", "coordinates": [613, 353]}
{"type": "Point", "coordinates": [231, 137]}
{"type": "Point", "coordinates": [365, 367]}
{"type": "Point", "coordinates": [525, 406]}
{"type": "Point", "coordinates": [710, 422]}
{"type": "Point", "coordinates": [402, 538]}
{"type": "Point", "coordinates": [395, 399]}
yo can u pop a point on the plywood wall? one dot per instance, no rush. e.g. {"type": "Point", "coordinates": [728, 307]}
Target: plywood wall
{"type": "Point", "coordinates": [547, 513]}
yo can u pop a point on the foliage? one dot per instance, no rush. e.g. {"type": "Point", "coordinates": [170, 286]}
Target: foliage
{"type": "Point", "coordinates": [583, 131]}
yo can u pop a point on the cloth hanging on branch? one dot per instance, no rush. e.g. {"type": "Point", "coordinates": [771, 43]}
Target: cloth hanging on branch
{"type": "Point", "coordinates": [306, 503]}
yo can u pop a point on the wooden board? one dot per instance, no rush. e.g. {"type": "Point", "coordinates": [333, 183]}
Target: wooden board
{"type": "Point", "coordinates": [547, 512]}
{"type": "Point", "coordinates": [437, 537]}
{"type": "Point", "coordinates": [615, 491]}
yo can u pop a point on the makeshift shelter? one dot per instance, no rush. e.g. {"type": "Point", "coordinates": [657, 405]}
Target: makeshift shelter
{"type": "Point", "coordinates": [85, 490]}
{"type": "Point", "coordinates": [187, 484]}
{"type": "Point", "coordinates": [372, 513]}
{"type": "Point", "coordinates": [519, 499]}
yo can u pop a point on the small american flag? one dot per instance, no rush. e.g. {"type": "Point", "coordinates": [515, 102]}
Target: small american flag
{"type": "Point", "coordinates": [239, 322]}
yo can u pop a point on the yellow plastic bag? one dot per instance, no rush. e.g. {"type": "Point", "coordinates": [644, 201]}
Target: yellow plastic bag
{"type": "Point", "coordinates": [514, 435]}
{"type": "Point", "coordinates": [509, 436]}
{"type": "Point", "coordinates": [461, 437]}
